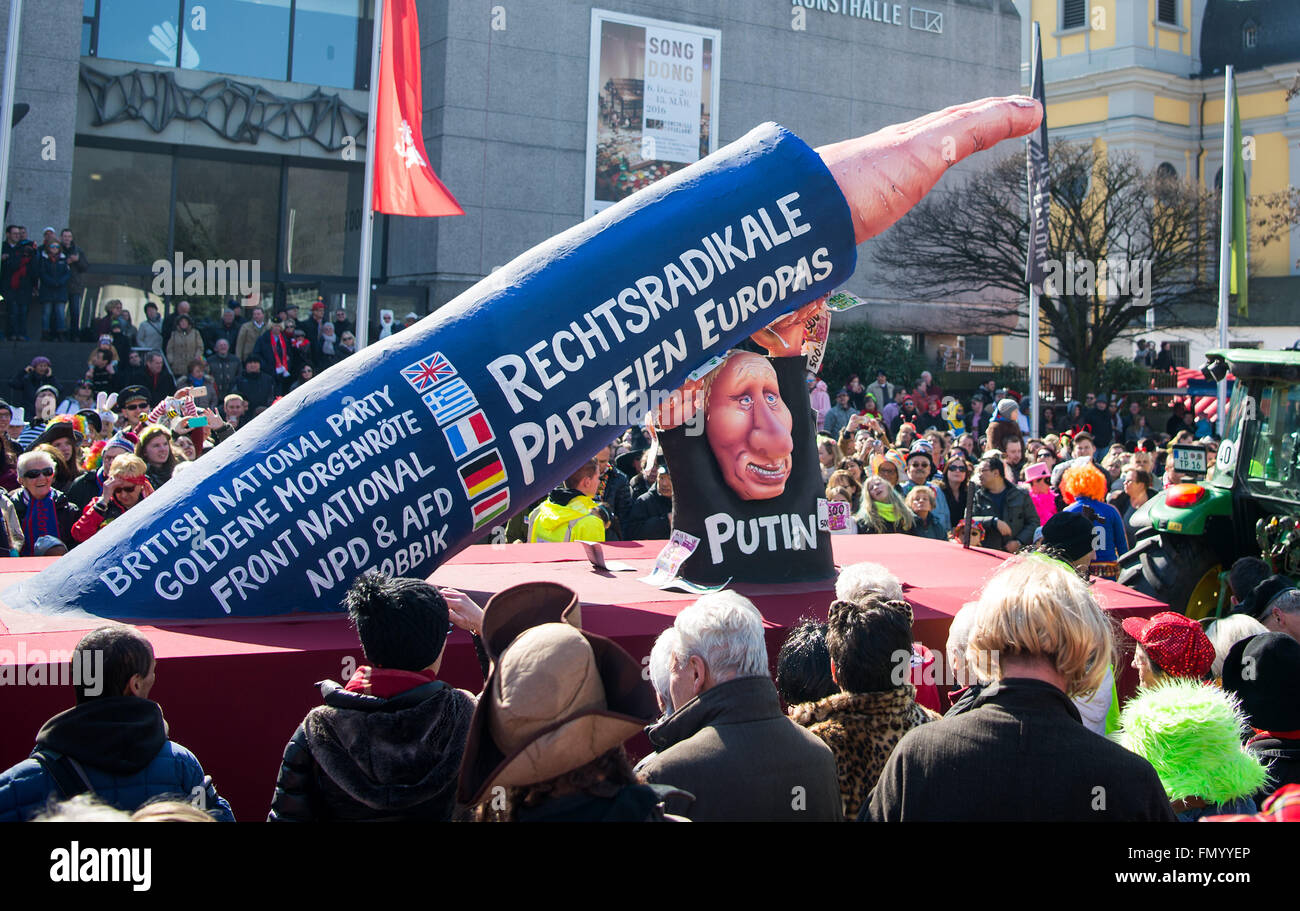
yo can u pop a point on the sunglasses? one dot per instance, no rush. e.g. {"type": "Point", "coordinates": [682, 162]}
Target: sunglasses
{"type": "Point", "coordinates": [960, 469]}
{"type": "Point", "coordinates": [130, 489]}
{"type": "Point", "coordinates": [134, 407]}
{"type": "Point", "coordinates": [34, 473]}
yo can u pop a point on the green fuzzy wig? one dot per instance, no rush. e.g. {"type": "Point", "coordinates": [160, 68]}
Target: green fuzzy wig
{"type": "Point", "coordinates": [1191, 732]}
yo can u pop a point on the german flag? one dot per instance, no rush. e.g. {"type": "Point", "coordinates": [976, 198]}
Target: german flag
{"type": "Point", "coordinates": [482, 474]}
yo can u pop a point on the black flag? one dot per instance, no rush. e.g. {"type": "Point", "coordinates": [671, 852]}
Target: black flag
{"type": "Point", "coordinates": [1040, 198]}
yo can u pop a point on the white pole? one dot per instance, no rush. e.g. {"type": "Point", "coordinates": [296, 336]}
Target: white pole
{"type": "Point", "coordinates": [1033, 361]}
{"type": "Point", "coordinates": [1225, 239]}
{"type": "Point", "coordinates": [368, 194]}
{"type": "Point", "coordinates": [7, 98]}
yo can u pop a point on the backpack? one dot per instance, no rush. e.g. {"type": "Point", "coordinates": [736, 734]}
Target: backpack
{"type": "Point", "coordinates": [66, 773]}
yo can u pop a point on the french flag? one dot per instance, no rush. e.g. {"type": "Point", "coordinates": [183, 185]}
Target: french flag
{"type": "Point", "coordinates": [468, 434]}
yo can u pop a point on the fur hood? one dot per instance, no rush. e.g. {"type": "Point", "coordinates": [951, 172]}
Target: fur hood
{"type": "Point", "coordinates": [1191, 732]}
{"type": "Point", "coordinates": [862, 729]}
{"type": "Point", "coordinates": [395, 753]}
{"type": "Point", "coordinates": [843, 706]}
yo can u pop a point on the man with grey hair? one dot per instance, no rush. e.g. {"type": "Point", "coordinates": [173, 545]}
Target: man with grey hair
{"type": "Point", "coordinates": [860, 580]}
{"type": "Point", "coordinates": [1282, 614]}
{"type": "Point", "coordinates": [727, 741]}
{"type": "Point", "coordinates": [661, 669]}
{"type": "Point", "coordinates": [961, 674]}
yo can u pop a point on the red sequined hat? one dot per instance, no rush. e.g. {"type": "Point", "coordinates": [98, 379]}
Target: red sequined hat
{"type": "Point", "coordinates": [1176, 643]}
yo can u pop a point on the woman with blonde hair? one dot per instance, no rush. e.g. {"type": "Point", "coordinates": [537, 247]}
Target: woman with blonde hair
{"type": "Point", "coordinates": [1040, 637]}
{"type": "Point", "coordinates": [125, 487]}
{"type": "Point", "coordinates": [921, 501]}
{"type": "Point", "coordinates": [882, 510]}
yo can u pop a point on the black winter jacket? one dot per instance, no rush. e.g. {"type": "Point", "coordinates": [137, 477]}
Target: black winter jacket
{"type": "Point", "coordinates": [616, 492]}
{"type": "Point", "coordinates": [1017, 511]}
{"type": "Point", "coordinates": [359, 758]}
{"type": "Point", "coordinates": [649, 519]}
{"type": "Point", "coordinates": [1020, 754]}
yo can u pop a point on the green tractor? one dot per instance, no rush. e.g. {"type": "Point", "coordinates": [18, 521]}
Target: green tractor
{"type": "Point", "coordinates": [1189, 534]}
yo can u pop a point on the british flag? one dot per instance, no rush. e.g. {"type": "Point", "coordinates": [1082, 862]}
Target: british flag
{"type": "Point", "coordinates": [425, 373]}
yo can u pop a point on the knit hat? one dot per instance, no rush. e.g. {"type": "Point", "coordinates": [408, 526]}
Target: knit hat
{"type": "Point", "coordinates": [1192, 734]}
{"type": "Point", "coordinates": [1264, 671]}
{"type": "Point", "coordinates": [402, 623]}
{"type": "Point", "coordinates": [1006, 407]}
{"type": "Point", "coordinates": [39, 360]}
{"type": "Point", "coordinates": [1070, 534]}
{"type": "Point", "coordinates": [1256, 603]}
{"type": "Point", "coordinates": [557, 697]}
{"type": "Point", "coordinates": [1175, 642]}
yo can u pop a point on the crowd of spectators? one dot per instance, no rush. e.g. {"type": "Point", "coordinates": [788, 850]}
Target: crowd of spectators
{"type": "Point", "coordinates": [839, 733]}
{"type": "Point", "coordinates": [154, 399]}
{"type": "Point", "coordinates": [920, 463]}
{"type": "Point", "coordinates": [47, 275]}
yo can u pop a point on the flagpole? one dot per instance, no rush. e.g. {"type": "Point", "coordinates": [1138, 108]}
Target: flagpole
{"type": "Point", "coordinates": [1225, 239]}
{"type": "Point", "coordinates": [368, 195]}
{"type": "Point", "coordinates": [7, 101]}
{"type": "Point", "coordinates": [1038, 221]}
{"type": "Point", "coordinates": [1033, 361]}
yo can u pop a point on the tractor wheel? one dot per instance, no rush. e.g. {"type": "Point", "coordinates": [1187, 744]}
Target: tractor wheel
{"type": "Point", "coordinates": [1182, 571]}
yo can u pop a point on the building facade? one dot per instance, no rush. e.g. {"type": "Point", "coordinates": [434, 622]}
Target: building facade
{"type": "Point", "coordinates": [1146, 78]}
{"type": "Point", "coordinates": [233, 130]}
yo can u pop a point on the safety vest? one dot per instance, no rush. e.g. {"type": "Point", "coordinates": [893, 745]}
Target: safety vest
{"type": "Point", "coordinates": [574, 521]}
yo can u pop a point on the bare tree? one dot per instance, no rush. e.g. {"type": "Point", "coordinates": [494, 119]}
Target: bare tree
{"type": "Point", "coordinates": [1111, 221]}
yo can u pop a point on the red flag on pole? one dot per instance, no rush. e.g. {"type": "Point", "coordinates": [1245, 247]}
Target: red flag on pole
{"type": "Point", "coordinates": [404, 182]}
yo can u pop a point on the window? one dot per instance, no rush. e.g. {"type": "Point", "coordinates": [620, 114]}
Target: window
{"type": "Point", "coordinates": [120, 200]}
{"type": "Point", "coordinates": [300, 222]}
{"type": "Point", "coordinates": [89, 16]}
{"type": "Point", "coordinates": [329, 46]}
{"type": "Point", "coordinates": [140, 31]}
{"type": "Point", "coordinates": [209, 225]}
{"type": "Point", "coordinates": [1250, 35]}
{"type": "Point", "coordinates": [237, 37]}
{"type": "Point", "coordinates": [1166, 171]}
{"type": "Point", "coordinates": [1244, 344]}
{"type": "Point", "coordinates": [1167, 12]}
{"type": "Point", "coordinates": [324, 221]}
{"type": "Point", "coordinates": [1181, 353]}
{"type": "Point", "coordinates": [977, 346]}
{"type": "Point", "coordinates": [319, 42]}
{"type": "Point", "coordinates": [1074, 14]}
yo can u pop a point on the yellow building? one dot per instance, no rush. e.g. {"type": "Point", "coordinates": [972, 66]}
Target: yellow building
{"type": "Point", "coordinates": [1146, 77]}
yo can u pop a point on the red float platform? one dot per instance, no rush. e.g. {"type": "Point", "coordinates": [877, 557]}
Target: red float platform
{"type": "Point", "coordinates": [234, 691]}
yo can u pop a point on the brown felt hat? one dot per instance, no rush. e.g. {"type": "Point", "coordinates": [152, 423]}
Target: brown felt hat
{"type": "Point", "coordinates": [556, 698]}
